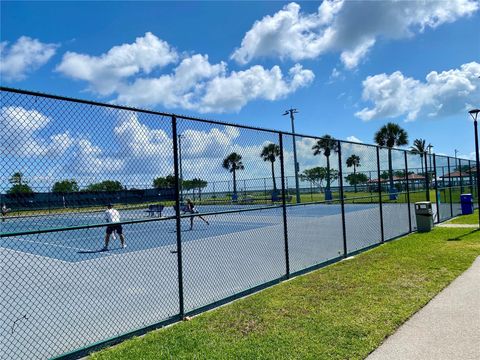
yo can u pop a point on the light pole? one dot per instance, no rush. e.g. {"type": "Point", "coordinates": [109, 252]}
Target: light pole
{"type": "Point", "coordinates": [292, 119]}
{"type": "Point", "coordinates": [180, 136]}
{"type": "Point", "coordinates": [474, 113]}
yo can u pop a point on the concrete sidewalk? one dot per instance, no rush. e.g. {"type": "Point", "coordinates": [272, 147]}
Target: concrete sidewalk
{"type": "Point", "coordinates": [448, 327]}
{"type": "Point", "coordinates": [460, 226]}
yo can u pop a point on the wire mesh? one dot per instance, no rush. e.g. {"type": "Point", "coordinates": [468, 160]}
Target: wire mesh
{"type": "Point", "coordinates": [224, 254]}
{"type": "Point", "coordinates": [361, 196]}
{"type": "Point", "coordinates": [443, 188]}
{"type": "Point", "coordinates": [394, 193]}
{"type": "Point", "coordinates": [248, 214]}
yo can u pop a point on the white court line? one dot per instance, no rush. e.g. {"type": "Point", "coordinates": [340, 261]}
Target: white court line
{"type": "Point", "coordinates": [50, 244]}
{"type": "Point", "coordinates": [36, 255]}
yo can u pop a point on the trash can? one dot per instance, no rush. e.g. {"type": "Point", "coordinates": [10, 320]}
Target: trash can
{"type": "Point", "coordinates": [424, 216]}
{"type": "Point", "coordinates": [467, 204]}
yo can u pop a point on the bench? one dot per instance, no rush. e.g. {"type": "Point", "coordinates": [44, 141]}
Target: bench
{"type": "Point", "coordinates": [288, 198]}
{"type": "Point", "coordinates": [152, 209]}
{"type": "Point", "coordinates": [247, 200]}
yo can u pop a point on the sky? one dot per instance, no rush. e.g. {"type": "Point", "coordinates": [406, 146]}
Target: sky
{"type": "Point", "coordinates": [349, 67]}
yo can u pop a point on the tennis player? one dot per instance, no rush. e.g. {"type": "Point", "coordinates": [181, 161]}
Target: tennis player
{"type": "Point", "coordinates": [5, 211]}
{"type": "Point", "coordinates": [191, 209]}
{"type": "Point", "coordinates": [112, 217]}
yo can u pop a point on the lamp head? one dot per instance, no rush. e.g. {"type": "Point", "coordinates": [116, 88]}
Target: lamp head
{"type": "Point", "coordinates": [474, 113]}
{"type": "Point", "coordinates": [286, 112]}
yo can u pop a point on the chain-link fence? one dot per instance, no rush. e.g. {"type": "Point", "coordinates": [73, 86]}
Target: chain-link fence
{"type": "Point", "coordinates": [118, 220]}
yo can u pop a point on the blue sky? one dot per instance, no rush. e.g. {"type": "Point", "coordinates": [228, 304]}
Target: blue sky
{"type": "Point", "coordinates": [349, 67]}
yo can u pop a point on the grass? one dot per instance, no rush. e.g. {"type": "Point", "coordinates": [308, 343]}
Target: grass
{"type": "Point", "coordinates": [466, 219]}
{"type": "Point", "coordinates": [343, 311]}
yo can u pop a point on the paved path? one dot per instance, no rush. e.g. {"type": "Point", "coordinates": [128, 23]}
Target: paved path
{"type": "Point", "coordinates": [447, 225]}
{"type": "Point", "coordinates": [448, 327]}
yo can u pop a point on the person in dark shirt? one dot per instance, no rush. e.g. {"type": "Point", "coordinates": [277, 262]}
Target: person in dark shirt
{"type": "Point", "coordinates": [190, 208]}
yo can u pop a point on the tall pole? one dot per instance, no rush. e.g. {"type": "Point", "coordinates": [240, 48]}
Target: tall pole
{"type": "Point", "coordinates": [292, 119]}
{"type": "Point", "coordinates": [474, 114]}
{"type": "Point", "coordinates": [180, 165]}
{"type": "Point", "coordinates": [430, 155]}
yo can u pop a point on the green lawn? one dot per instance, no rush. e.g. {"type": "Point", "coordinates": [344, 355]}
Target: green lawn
{"type": "Point", "coordinates": [466, 219]}
{"type": "Point", "coordinates": [343, 311]}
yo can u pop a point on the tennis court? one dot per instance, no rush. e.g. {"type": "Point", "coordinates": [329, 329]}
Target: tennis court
{"type": "Point", "coordinates": [86, 244]}
{"type": "Point", "coordinates": [71, 280]}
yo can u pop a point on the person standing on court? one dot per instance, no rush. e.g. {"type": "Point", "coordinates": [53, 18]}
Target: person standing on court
{"type": "Point", "coordinates": [112, 216]}
{"type": "Point", "coordinates": [191, 209]}
{"type": "Point", "coordinates": [5, 211]}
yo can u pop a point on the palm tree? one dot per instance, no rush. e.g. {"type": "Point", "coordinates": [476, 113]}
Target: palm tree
{"type": "Point", "coordinates": [326, 144]}
{"type": "Point", "coordinates": [354, 160]}
{"type": "Point", "coordinates": [232, 163]}
{"type": "Point", "coordinates": [419, 147]}
{"type": "Point", "coordinates": [270, 153]}
{"type": "Point", "coordinates": [391, 135]}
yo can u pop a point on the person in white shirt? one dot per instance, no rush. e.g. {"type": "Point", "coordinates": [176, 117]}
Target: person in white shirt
{"type": "Point", "coordinates": [112, 216]}
{"type": "Point", "coordinates": [5, 211]}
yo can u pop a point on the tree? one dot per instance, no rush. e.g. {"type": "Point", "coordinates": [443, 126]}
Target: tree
{"type": "Point", "coordinates": [326, 145]}
{"type": "Point", "coordinates": [167, 182]}
{"type": "Point", "coordinates": [391, 135]}
{"type": "Point", "coordinates": [318, 175]}
{"type": "Point", "coordinates": [354, 160]}
{"type": "Point", "coordinates": [419, 147]}
{"type": "Point", "coordinates": [19, 185]}
{"type": "Point", "coordinates": [198, 184]}
{"type": "Point", "coordinates": [354, 179]}
{"type": "Point", "coordinates": [65, 186]}
{"type": "Point", "coordinates": [270, 153]}
{"type": "Point", "coordinates": [107, 185]}
{"type": "Point", "coordinates": [232, 163]}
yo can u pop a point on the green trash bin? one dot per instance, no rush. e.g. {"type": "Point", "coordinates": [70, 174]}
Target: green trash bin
{"type": "Point", "coordinates": [424, 216]}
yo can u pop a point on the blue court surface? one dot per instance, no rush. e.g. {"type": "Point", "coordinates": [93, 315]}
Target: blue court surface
{"type": "Point", "coordinates": [87, 244]}
{"type": "Point", "coordinates": [94, 295]}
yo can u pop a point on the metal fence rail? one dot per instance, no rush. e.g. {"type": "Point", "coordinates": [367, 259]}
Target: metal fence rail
{"type": "Point", "coordinates": [63, 160]}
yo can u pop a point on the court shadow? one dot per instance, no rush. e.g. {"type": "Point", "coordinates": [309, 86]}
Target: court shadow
{"type": "Point", "coordinates": [460, 237]}
{"type": "Point", "coordinates": [188, 230]}
{"type": "Point", "coordinates": [91, 251]}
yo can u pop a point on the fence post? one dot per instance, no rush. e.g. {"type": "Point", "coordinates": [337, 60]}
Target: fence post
{"type": "Point", "coordinates": [380, 194]}
{"type": "Point", "coordinates": [450, 186]}
{"type": "Point", "coordinates": [408, 194]}
{"type": "Point", "coordinates": [427, 182]}
{"type": "Point", "coordinates": [284, 206]}
{"type": "Point", "coordinates": [437, 198]}
{"type": "Point", "coordinates": [461, 175]}
{"type": "Point", "coordinates": [177, 216]}
{"type": "Point", "coordinates": [470, 178]}
{"type": "Point", "coordinates": [342, 199]}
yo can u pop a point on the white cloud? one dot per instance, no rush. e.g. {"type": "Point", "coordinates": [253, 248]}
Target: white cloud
{"type": "Point", "coordinates": [20, 134]}
{"type": "Point", "coordinates": [197, 143]}
{"type": "Point", "coordinates": [105, 72]}
{"type": "Point", "coordinates": [231, 93]}
{"type": "Point", "coordinates": [91, 159]}
{"type": "Point", "coordinates": [348, 27]}
{"type": "Point", "coordinates": [442, 94]}
{"type": "Point", "coordinates": [24, 56]}
{"type": "Point", "coordinates": [172, 90]}
{"type": "Point", "coordinates": [198, 85]}
{"type": "Point", "coordinates": [138, 140]}
{"type": "Point", "coordinates": [354, 139]}
{"type": "Point", "coordinates": [194, 84]}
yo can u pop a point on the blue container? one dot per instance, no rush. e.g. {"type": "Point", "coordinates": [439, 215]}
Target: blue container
{"type": "Point", "coordinates": [467, 204]}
